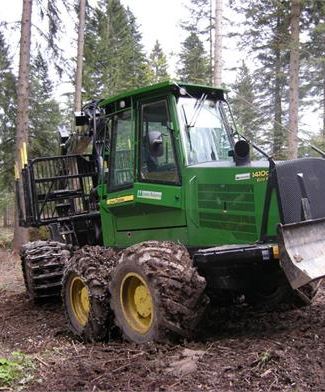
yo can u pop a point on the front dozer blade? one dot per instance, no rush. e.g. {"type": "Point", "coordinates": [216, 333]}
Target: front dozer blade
{"type": "Point", "coordinates": [302, 251]}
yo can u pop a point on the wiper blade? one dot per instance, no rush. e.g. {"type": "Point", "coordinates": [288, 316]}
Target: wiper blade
{"type": "Point", "coordinates": [185, 117]}
{"type": "Point", "coordinates": [199, 104]}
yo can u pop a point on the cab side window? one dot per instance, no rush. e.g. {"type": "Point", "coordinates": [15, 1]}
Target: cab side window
{"type": "Point", "coordinates": [122, 159]}
{"type": "Point", "coordinates": [158, 163]}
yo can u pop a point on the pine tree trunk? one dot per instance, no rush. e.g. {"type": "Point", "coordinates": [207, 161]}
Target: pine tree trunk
{"type": "Point", "coordinates": [217, 69]}
{"type": "Point", "coordinates": [294, 81]}
{"type": "Point", "coordinates": [80, 54]}
{"type": "Point", "coordinates": [21, 234]}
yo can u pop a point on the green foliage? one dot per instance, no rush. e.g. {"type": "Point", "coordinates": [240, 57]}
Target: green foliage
{"type": "Point", "coordinates": [244, 106]}
{"type": "Point", "coordinates": [158, 64]}
{"type": "Point", "coordinates": [7, 116]}
{"type": "Point", "coordinates": [8, 371]}
{"type": "Point", "coordinates": [114, 55]}
{"type": "Point", "coordinates": [45, 115]}
{"type": "Point", "coordinates": [201, 23]}
{"type": "Point", "coordinates": [18, 369]}
{"type": "Point", "coordinates": [313, 64]}
{"type": "Point", "coordinates": [266, 36]}
{"type": "Point", "coordinates": [50, 13]}
{"type": "Point", "coordinates": [194, 63]}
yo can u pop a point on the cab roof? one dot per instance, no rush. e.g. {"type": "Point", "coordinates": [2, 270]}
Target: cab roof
{"type": "Point", "coordinates": [168, 86]}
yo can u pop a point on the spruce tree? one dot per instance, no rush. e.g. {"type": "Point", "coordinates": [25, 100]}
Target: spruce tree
{"type": "Point", "coordinates": [114, 55]}
{"type": "Point", "coordinates": [201, 22]}
{"type": "Point", "coordinates": [244, 106]}
{"type": "Point", "coordinates": [136, 63]}
{"type": "Point", "coordinates": [314, 61]}
{"type": "Point", "coordinates": [8, 110]}
{"type": "Point", "coordinates": [194, 63]}
{"type": "Point", "coordinates": [45, 115]}
{"type": "Point", "coordinates": [266, 36]}
{"type": "Point", "coordinates": [158, 64]}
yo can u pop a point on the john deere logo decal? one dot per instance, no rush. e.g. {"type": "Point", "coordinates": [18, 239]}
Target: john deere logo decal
{"type": "Point", "coordinates": [149, 195]}
{"type": "Point", "coordinates": [243, 176]}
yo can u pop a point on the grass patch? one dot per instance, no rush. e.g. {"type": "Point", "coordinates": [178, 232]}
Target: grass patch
{"type": "Point", "coordinates": [16, 371]}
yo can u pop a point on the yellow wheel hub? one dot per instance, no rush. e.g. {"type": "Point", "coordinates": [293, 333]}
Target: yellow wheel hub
{"type": "Point", "coordinates": [136, 301]}
{"type": "Point", "coordinates": [79, 299]}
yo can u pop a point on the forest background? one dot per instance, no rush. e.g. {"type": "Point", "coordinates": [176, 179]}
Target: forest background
{"type": "Point", "coordinates": [257, 34]}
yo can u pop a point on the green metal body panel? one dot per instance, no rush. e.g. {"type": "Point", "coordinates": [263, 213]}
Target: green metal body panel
{"type": "Point", "coordinates": [213, 204]}
{"type": "Point", "coordinates": [211, 208]}
{"type": "Point", "coordinates": [156, 212]}
{"type": "Point", "coordinates": [224, 205]}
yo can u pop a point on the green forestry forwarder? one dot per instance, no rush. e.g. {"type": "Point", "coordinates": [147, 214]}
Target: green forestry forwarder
{"type": "Point", "coordinates": [155, 208]}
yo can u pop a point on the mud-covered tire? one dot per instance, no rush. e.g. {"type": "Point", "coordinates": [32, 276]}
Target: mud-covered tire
{"type": "Point", "coordinates": [175, 288]}
{"type": "Point", "coordinates": [90, 266]}
{"type": "Point", "coordinates": [42, 265]}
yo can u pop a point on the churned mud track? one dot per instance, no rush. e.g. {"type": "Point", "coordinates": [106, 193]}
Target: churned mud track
{"type": "Point", "coordinates": [238, 349]}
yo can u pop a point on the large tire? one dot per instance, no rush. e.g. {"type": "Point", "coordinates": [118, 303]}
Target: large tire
{"type": "Point", "coordinates": [85, 292]}
{"type": "Point", "coordinates": [156, 294]}
{"type": "Point", "coordinates": [42, 265]}
{"type": "Point", "coordinates": [270, 297]}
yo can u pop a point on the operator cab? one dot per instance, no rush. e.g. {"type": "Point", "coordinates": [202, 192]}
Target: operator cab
{"type": "Point", "coordinates": [155, 132]}
{"type": "Point", "coordinates": [162, 139]}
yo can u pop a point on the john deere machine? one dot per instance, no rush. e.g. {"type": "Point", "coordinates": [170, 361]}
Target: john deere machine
{"type": "Point", "coordinates": [155, 208]}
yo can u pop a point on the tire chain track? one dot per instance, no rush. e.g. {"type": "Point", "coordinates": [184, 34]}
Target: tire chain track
{"type": "Point", "coordinates": [42, 266]}
{"type": "Point", "coordinates": [180, 288]}
{"type": "Point", "coordinates": [94, 264]}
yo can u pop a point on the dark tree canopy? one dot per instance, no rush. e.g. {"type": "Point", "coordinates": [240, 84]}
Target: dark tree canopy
{"type": "Point", "coordinates": [114, 55]}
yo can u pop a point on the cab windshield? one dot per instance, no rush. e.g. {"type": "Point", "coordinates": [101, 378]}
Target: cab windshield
{"type": "Point", "coordinates": [204, 130]}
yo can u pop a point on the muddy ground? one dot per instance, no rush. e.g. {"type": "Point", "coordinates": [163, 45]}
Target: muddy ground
{"type": "Point", "coordinates": [240, 349]}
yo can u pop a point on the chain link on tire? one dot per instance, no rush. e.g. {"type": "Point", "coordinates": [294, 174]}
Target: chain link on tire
{"type": "Point", "coordinates": [176, 290]}
{"type": "Point", "coordinates": [42, 266]}
{"type": "Point", "coordinates": [92, 267]}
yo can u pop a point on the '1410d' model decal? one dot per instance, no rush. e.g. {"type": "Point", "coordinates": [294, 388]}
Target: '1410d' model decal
{"type": "Point", "coordinates": [258, 176]}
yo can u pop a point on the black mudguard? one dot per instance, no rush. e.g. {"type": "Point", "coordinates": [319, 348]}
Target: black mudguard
{"type": "Point", "coordinates": [300, 188]}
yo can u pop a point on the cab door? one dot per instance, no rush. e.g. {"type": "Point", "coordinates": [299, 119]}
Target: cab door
{"type": "Point", "coordinates": [158, 188]}
{"type": "Point", "coordinates": [145, 195]}
{"type": "Point", "coordinates": [119, 162]}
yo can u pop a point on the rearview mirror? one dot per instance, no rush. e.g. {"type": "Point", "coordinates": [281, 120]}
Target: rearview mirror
{"type": "Point", "coordinates": [156, 147]}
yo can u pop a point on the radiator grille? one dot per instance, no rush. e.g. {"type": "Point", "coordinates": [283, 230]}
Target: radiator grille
{"type": "Point", "coordinates": [228, 207]}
